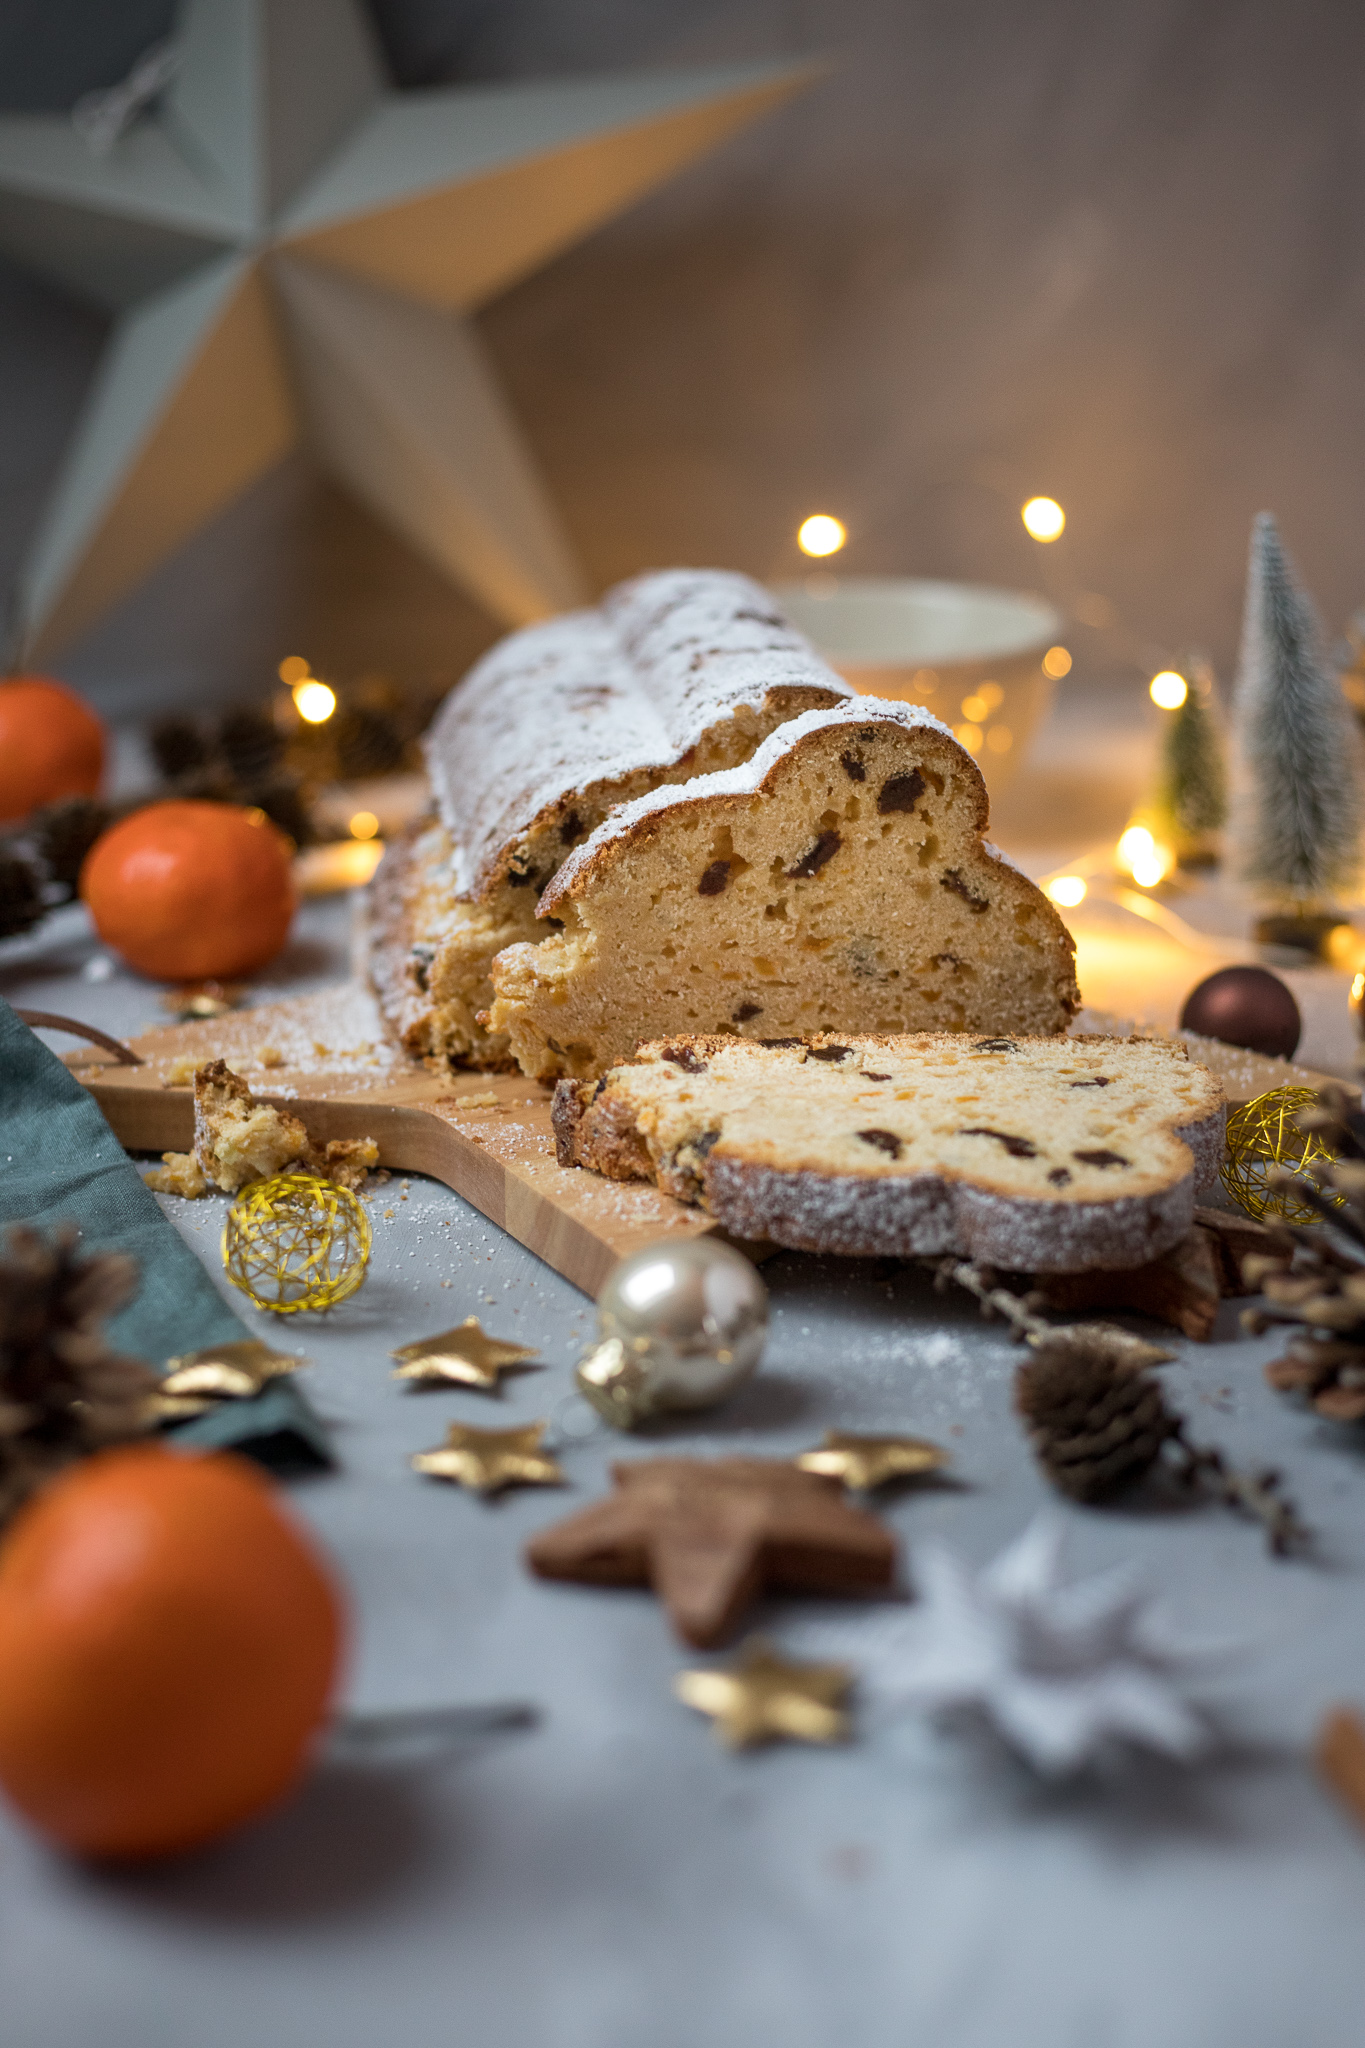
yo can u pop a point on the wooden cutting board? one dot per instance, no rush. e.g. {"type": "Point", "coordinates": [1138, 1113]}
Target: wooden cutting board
{"type": "Point", "coordinates": [487, 1136]}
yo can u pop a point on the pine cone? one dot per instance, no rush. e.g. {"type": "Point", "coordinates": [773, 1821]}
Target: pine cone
{"type": "Point", "coordinates": [251, 745]}
{"type": "Point", "coordinates": [178, 747]}
{"type": "Point", "coordinates": [1313, 1280]}
{"type": "Point", "coordinates": [63, 1392]}
{"type": "Point", "coordinates": [368, 742]}
{"type": "Point", "coordinates": [64, 833]}
{"type": "Point", "coordinates": [1096, 1418]}
{"type": "Point", "coordinates": [284, 805]}
{"type": "Point", "coordinates": [21, 894]}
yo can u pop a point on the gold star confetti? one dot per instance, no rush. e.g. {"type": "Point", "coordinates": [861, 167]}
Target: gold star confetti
{"type": "Point", "coordinates": [486, 1459]}
{"type": "Point", "coordinates": [863, 1462]}
{"type": "Point", "coordinates": [762, 1697]}
{"type": "Point", "coordinates": [197, 1380]}
{"type": "Point", "coordinates": [464, 1357]}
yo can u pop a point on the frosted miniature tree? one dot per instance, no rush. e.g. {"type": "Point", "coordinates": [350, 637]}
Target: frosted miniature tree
{"type": "Point", "coordinates": [1193, 799]}
{"type": "Point", "coordinates": [1298, 816]}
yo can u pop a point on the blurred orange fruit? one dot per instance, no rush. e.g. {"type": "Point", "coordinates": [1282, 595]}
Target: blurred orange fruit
{"type": "Point", "coordinates": [169, 1642]}
{"type": "Point", "coordinates": [191, 891]}
{"type": "Point", "coordinates": [51, 745]}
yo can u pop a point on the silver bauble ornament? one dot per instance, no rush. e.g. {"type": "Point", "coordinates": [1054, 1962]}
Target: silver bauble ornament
{"type": "Point", "coordinates": [680, 1326]}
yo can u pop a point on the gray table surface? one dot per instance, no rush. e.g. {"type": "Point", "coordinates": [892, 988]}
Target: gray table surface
{"type": "Point", "coordinates": [611, 1878]}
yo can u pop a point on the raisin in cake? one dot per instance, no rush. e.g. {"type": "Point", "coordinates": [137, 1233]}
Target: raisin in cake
{"type": "Point", "coordinates": [1040, 1155]}
{"type": "Point", "coordinates": [838, 881]}
{"type": "Point", "coordinates": [675, 674]}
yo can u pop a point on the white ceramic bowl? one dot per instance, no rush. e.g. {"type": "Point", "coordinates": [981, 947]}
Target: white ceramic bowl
{"type": "Point", "coordinates": [956, 648]}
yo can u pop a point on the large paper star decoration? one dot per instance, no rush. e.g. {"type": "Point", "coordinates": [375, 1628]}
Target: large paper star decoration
{"type": "Point", "coordinates": [1065, 1670]}
{"type": "Point", "coordinates": [292, 251]}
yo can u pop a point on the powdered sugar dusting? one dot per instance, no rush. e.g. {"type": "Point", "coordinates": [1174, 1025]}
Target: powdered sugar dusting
{"type": "Point", "coordinates": [546, 711]}
{"type": "Point", "coordinates": [336, 1031]}
{"type": "Point", "coordinates": [925, 1216]}
{"type": "Point", "coordinates": [563, 708]}
{"type": "Point", "coordinates": [708, 640]}
{"type": "Point", "coordinates": [995, 852]}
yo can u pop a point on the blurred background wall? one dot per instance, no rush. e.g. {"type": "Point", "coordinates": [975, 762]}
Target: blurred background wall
{"type": "Point", "coordinates": [1111, 254]}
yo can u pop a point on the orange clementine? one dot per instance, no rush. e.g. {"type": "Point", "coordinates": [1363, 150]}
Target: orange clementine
{"type": "Point", "coordinates": [168, 1646]}
{"type": "Point", "coordinates": [51, 745]}
{"type": "Point", "coordinates": [191, 891]}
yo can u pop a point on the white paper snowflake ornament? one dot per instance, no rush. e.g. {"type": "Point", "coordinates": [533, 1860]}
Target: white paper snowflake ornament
{"type": "Point", "coordinates": [1063, 1671]}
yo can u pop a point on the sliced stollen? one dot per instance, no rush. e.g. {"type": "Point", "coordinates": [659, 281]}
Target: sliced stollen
{"type": "Point", "coordinates": [1040, 1155]}
{"type": "Point", "coordinates": [675, 674]}
{"type": "Point", "coordinates": [837, 881]}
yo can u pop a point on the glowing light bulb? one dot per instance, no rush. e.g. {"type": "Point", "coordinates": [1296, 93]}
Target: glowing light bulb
{"type": "Point", "coordinates": [976, 709]}
{"type": "Point", "coordinates": [1144, 859]}
{"type": "Point", "coordinates": [821, 534]}
{"type": "Point", "coordinates": [1135, 844]}
{"type": "Point", "coordinates": [1344, 948]}
{"type": "Point", "coordinates": [1057, 662]}
{"type": "Point", "coordinates": [364, 825]}
{"type": "Point", "coordinates": [1068, 890]}
{"type": "Point", "coordinates": [1168, 689]}
{"type": "Point", "coordinates": [294, 669]}
{"type": "Point", "coordinates": [314, 702]}
{"type": "Point", "coordinates": [970, 737]}
{"type": "Point", "coordinates": [1043, 518]}
{"type": "Point", "coordinates": [991, 695]}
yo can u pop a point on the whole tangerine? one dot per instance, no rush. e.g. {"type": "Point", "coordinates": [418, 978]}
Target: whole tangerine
{"type": "Point", "coordinates": [169, 1641]}
{"type": "Point", "coordinates": [51, 745]}
{"type": "Point", "coordinates": [191, 891]}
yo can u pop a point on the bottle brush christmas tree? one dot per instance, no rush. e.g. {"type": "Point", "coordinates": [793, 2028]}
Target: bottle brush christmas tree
{"type": "Point", "coordinates": [1192, 800]}
{"type": "Point", "coordinates": [1298, 818]}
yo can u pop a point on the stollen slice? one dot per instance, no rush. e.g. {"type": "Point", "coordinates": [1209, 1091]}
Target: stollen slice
{"type": "Point", "coordinates": [1041, 1155]}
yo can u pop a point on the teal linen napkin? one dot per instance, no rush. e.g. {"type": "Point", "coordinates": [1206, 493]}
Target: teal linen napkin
{"type": "Point", "coordinates": [61, 1163]}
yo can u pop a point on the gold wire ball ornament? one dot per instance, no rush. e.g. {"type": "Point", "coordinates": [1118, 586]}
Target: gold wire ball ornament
{"type": "Point", "coordinates": [1263, 1134]}
{"type": "Point", "coordinates": [296, 1242]}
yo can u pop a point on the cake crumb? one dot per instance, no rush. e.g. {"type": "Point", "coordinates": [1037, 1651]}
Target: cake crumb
{"type": "Point", "coordinates": [270, 1056]}
{"type": "Point", "coordinates": [178, 1174]}
{"type": "Point", "coordinates": [238, 1139]}
{"type": "Point", "coordinates": [389, 1212]}
{"type": "Point", "coordinates": [486, 1099]}
{"type": "Point", "coordinates": [347, 1161]}
{"type": "Point", "coordinates": [181, 1072]}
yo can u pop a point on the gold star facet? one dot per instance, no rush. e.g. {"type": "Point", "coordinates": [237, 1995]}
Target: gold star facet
{"type": "Point", "coordinates": [762, 1697]}
{"type": "Point", "coordinates": [864, 1462]}
{"type": "Point", "coordinates": [197, 1380]}
{"type": "Point", "coordinates": [486, 1459]}
{"type": "Point", "coordinates": [464, 1357]}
